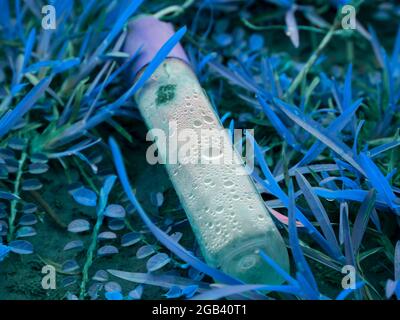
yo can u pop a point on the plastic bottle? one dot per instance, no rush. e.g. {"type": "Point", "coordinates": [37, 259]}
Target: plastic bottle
{"type": "Point", "coordinates": [227, 214]}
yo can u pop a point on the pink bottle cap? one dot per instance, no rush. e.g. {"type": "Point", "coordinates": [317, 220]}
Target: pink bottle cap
{"type": "Point", "coordinates": [149, 34]}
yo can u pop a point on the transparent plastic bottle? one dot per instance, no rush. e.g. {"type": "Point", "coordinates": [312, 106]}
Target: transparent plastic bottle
{"type": "Point", "coordinates": [226, 212]}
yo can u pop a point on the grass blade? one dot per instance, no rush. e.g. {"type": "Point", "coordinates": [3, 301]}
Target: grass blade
{"type": "Point", "coordinates": [11, 118]}
{"type": "Point", "coordinates": [361, 222]}
{"type": "Point", "coordinates": [320, 133]}
{"type": "Point", "coordinates": [319, 212]}
{"type": "Point", "coordinates": [301, 263]}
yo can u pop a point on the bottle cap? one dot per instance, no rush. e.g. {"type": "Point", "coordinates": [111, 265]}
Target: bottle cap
{"type": "Point", "coordinates": [149, 34]}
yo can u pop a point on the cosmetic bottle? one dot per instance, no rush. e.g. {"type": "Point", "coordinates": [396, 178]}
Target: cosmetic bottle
{"type": "Point", "coordinates": [226, 212]}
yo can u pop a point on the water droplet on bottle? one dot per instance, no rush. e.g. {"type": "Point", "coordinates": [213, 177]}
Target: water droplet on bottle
{"type": "Point", "coordinates": [219, 209]}
{"type": "Point", "coordinates": [208, 120]}
{"type": "Point", "coordinates": [228, 184]}
{"type": "Point", "coordinates": [197, 123]}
